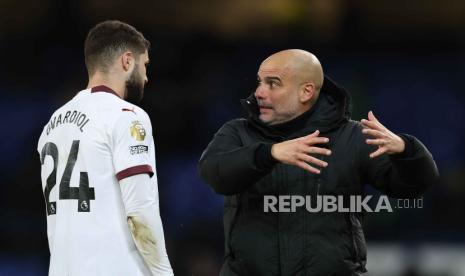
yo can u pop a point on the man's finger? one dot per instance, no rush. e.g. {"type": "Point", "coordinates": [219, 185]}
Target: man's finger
{"type": "Point", "coordinates": [373, 132]}
{"type": "Point", "coordinates": [310, 159]}
{"type": "Point", "coordinates": [317, 150]}
{"type": "Point", "coordinates": [371, 124]}
{"type": "Point", "coordinates": [378, 142]}
{"type": "Point", "coordinates": [378, 152]}
{"type": "Point", "coordinates": [316, 140]}
{"type": "Point", "coordinates": [307, 167]}
{"type": "Point", "coordinates": [372, 117]}
{"type": "Point", "coordinates": [314, 134]}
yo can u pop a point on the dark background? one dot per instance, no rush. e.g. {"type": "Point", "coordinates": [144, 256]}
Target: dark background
{"type": "Point", "coordinates": [402, 59]}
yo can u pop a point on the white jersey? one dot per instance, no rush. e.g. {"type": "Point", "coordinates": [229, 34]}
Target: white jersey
{"type": "Point", "coordinates": [89, 144]}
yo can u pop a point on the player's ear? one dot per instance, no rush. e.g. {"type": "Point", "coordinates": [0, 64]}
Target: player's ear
{"type": "Point", "coordinates": [127, 60]}
{"type": "Point", "coordinates": [307, 92]}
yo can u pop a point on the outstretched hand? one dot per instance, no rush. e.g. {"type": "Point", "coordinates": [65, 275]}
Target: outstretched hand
{"type": "Point", "coordinates": [387, 141]}
{"type": "Point", "coordinates": [297, 152]}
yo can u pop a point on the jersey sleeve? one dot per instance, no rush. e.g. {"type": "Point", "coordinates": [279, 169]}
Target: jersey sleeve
{"type": "Point", "coordinates": [131, 141]}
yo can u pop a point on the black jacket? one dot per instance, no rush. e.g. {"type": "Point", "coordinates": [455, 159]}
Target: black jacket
{"type": "Point", "coordinates": [303, 243]}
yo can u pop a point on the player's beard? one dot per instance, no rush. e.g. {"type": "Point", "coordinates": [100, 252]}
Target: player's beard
{"type": "Point", "coordinates": [134, 87]}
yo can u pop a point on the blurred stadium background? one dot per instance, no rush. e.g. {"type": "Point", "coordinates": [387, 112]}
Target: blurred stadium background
{"type": "Point", "coordinates": [402, 59]}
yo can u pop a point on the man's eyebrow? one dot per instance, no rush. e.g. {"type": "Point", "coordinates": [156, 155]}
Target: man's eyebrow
{"type": "Point", "coordinates": [272, 78]}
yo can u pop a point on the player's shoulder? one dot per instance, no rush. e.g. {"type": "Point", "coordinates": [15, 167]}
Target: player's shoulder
{"type": "Point", "coordinates": [124, 109]}
{"type": "Point", "coordinates": [115, 107]}
{"type": "Point", "coordinates": [122, 114]}
{"type": "Point", "coordinates": [51, 121]}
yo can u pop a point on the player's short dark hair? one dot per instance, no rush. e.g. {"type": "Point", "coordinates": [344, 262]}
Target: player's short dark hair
{"type": "Point", "coordinates": [109, 39]}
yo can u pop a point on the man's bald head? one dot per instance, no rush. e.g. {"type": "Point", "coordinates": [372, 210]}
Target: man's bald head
{"type": "Point", "coordinates": [302, 66]}
{"type": "Point", "coordinates": [289, 83]}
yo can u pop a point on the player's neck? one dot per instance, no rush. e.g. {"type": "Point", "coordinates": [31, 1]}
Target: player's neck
{"type": "Point", "coordinates": [97, 79]}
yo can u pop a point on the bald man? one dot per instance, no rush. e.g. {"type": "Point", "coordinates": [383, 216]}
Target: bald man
{"type": "Point", "coordinates": [299, 146]}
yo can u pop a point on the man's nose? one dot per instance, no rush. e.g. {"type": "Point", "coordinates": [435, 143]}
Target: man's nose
{"type": "Point", "coordinates": [259, 92]}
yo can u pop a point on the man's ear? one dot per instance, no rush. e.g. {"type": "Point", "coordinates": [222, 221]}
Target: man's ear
{"type": "Point", "coordinates": [307, 92]}
{"type": "Point", "coordinates": [127, 61]}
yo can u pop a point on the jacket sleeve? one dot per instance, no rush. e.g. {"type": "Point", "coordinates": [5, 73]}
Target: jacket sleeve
{"type": "Point", "coordinates": [404, 175]}
{"type": "Point", "coordinates": [227, 165]}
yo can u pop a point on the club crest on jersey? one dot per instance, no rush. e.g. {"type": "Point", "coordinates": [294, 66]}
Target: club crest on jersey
{"type": "Point", "coordinates": [137, 131]}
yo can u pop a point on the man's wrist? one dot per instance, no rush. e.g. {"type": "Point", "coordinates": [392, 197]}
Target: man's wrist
{"type": "Point", "coordinates": [264, 160]}
{"type": "Point", "coordinates": [409, 147]}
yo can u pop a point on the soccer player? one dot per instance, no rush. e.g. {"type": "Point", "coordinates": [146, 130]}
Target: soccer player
{"type": "Point", "coordinates": [98, 167]}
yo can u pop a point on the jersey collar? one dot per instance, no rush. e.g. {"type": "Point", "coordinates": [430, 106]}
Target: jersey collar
{"type": "Point", "coordinates": [103, 88]}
